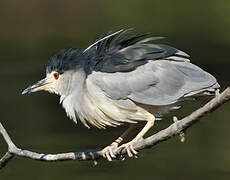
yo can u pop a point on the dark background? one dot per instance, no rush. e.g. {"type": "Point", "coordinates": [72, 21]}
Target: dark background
{"type": "Point", "coordinates": [31, 31]}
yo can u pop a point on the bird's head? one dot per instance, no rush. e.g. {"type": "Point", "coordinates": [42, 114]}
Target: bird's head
{"type": "Point", "coordinates": [60, 72]}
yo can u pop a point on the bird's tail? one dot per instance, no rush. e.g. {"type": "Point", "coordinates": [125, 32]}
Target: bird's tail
{"type": "Point", "coordinates": [213, 90]}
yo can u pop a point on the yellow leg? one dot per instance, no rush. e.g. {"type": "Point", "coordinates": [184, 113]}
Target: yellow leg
{"type": "Point", "coordinates": [107, 151]}
{"type": "Point", "coordinates": [129, 146]}
{"type": "Point", "coordinates": [125, 134]}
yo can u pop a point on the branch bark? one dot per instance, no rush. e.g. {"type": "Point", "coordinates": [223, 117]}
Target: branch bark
{"type": "Point", "coordinates": [177, 128]}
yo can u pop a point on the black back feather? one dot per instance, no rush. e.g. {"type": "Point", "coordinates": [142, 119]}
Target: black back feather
{"type": "Point", "coordinates": [122, 53]}
{"type": "Point", "coordinates": [118, 53]}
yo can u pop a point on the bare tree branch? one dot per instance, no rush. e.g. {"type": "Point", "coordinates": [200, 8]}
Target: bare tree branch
{"type": "Point", "coordinates": [177, 128]}
{"type": "Point", "coordinates": [4, 160]}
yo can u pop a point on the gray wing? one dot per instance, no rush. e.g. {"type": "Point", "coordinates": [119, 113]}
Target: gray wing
{"type": "Point", "coordinates": [154, 74]}
{"type": "Point", "coordinates": [159, 82]}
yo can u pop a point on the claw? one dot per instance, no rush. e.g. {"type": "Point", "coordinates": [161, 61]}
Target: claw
{"type": "Point", "coordinates": [107, 152]}
{"type": "Point", "coordinates": [133, 150]}
{"type": "Point", "coordinates": [111, 153]}
{"type": "Point", "coordinates": [129, 152]}
{"type": "Point", "coordinates": [129, 149]}
{"type": "Point", "coordinates": [108, 156]}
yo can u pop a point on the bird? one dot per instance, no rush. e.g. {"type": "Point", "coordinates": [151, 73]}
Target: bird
{"type": "Point", "coordinates": [123, 78]}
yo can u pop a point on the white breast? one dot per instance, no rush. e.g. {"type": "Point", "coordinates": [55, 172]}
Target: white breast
{"type": "Point", "coordinates": [93, 107]}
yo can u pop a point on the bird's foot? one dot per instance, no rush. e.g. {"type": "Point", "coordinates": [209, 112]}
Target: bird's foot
{"type": "Point", "coordinates": [107, 152]}
{"type": "Point", "coordinates": [129, 148]}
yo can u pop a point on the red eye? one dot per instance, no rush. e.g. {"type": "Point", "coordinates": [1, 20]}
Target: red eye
{"type": "Point", "coordinates": [56, 75]}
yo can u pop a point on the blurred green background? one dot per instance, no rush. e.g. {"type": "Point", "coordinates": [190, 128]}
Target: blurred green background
{"type": "Point", "coordinates": [31, 31]}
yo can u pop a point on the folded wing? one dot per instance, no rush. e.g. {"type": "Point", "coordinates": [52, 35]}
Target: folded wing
{"type": "Point", "coordinates": [160, 82]}
{"type": "Point", "coordinates": [153, 74]}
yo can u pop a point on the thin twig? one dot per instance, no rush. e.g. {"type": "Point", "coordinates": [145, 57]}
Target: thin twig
{"type": "Point", "coordinates": [5, 159]}
{"type": "Point", "coordinates": [177, 128]}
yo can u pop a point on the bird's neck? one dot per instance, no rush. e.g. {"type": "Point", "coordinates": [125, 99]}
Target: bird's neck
{"type": "Point", "coordinates": [74, 86]}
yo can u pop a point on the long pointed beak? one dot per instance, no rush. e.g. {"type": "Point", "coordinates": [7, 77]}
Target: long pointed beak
{"type": "Point", "coordinates": [39, 86]}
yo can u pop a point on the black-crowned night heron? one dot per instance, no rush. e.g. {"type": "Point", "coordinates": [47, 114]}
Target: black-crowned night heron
{"type": "Point", "coordinates": [121, 79]}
